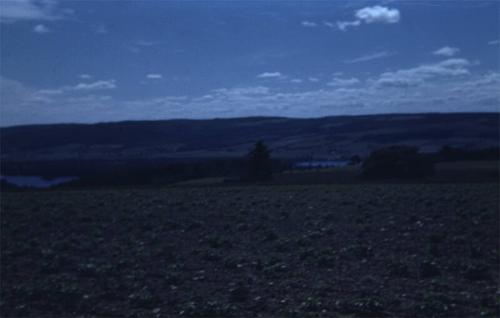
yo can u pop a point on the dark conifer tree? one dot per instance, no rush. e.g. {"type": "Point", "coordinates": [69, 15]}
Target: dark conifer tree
{"type": "Point", "coordinates": [259, 163]}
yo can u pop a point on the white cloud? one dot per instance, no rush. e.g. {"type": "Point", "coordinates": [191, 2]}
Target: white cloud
{"type": "Point", "coordinates": [488, 78]}
{"type": "Point", "coordinates": [313, 79]}
{"type": "Point", "coordinates": [494, 42]}
{"type": "Point", "coordinates": [329, 24]}
{"type": "Point", "coordinates": [296, 81]}
{"type": "Point", "coordinates": [378, 14]}
{"type": "Point", "coordinates": [364, 97]}
{"type": "Point", "coordinates": [309, 24]}
{"type": "Point", "coordinates": [242, 91]}
{"type": "Point", "coordinates": [12, 90]}
{"type": "Point", "coordinates": [147, 43]}
{"type": "Point", "coordinates": [141, 45]}
{"type": "Point", "coordinates": [449, 85]}
{"type": "Point", "coordinates": [338, 82]}
{"type": "Point", "coordinates": [425, 72]}
{"type": "Point", "coordinates": [446, 51]}
{"type": "Point", "coordinates": [344, 25]}
{"type": "Point", "coordinates": [80, 87]}
{"type": "Point", "coordinates": [41, 29]}
{"type": "Point", "coordinates": [108, 84]}
{"type": "Point", "coordinates": [26, 10]}
{"type": "Point", "coordinates": [154, 76]}
{"type": "Point", "coordinates": [369, 15]}
{"type": "Point", "coordinates": [369, 57]}
{"type": "Point", "coordinates": [270, 75]}
{"type": "Point", "coordinates": [56, 91]}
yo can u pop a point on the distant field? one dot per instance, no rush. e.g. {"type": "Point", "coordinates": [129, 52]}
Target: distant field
{"type": "Point", "coordinates": [472, 171]}
{"type": "Point", "coordinates": [445, 172]}
{"type": "Point", "coordinates": [466, 165]}
{"type": "Point", "coordinates": [428, 250]}
{"type": "Point", "coordinates": [347, 174]}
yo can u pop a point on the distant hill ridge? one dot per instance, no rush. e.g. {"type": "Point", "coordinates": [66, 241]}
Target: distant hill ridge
{"type": "Point", "coordinates": [327, 137]}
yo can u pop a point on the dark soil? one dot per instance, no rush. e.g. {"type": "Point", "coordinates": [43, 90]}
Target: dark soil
{"type": "Point", "coordinates": [347, 251]}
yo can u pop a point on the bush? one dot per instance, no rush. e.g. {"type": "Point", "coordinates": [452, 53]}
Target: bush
{"type": "Point", "coordinates": [400, 162]}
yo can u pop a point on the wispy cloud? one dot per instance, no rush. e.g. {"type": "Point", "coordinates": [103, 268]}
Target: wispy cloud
{"type": "Point", "coordinates": [100, 29]}
{"type": "Point", "coordinates": [344, 25]}
{"type": "Point", "coordinates": [425, 72]}
{"type": "Point", "coordinates": [329, 24]}
{"type": "Point", "coordinates": [141, 45]}
{"type": "Point", "coordinates": [446, 51]}
{"type": "Point", "coordinates": [56, 91]}
{"type": "Point", "coordinates": [369, 15]}
{"type": "Point", "coordinates": [98, 85]}
{"type": "Point", "coordinates": [494, 42]}
{"type": "Point", "coordinates": [133, 49]}
{"type": "Point", "coordinates": [342, 82]}
{"type": "Point", "coordinates": [370, 57]}
{"type": "Point", "coordinates": [25, 10]}
{"type": "Point", "coordinates": [154, 76]}
{"type": "Point", "coordinates": [22, 104]}
{"type": "Point", "coordinates": [463, 89]}
{"type": "Point", "coordinates": [41, 29]}
{"type": "Point", "coordinates": [270, 75]}
{"type": "Point", "coordinates": [81, 87]}
{"type": "Point", "coordinates": [241, 91]}
{"type": "Point", "coordinates": [309, 24]}
{"type": "Point", "coordinates": [147, 43]}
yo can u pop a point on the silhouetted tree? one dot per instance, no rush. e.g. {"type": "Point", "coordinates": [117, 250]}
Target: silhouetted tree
{"type": "Point", "coordinates": [260, 163]}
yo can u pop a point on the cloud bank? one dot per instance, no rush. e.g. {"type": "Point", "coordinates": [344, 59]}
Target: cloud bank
{"type": "Point", "coordinates": [447, 85]}
{"type": "Point", "coordinates": [424, 73]}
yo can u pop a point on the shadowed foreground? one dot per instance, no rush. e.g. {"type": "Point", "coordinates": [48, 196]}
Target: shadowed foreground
{"type": "Point", "coordinates": [363, 250]}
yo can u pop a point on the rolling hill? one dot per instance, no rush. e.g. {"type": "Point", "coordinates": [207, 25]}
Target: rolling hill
{"type": "Point", "coordinates": [328, 137]}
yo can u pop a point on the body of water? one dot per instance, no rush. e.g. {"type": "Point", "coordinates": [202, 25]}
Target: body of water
{"type": "Point", "coordinates": [36, 181]}
{"type": "Point", "coordinates": [321, 163]}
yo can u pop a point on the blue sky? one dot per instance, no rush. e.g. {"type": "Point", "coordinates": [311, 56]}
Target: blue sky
{"type": "Point", "coordinates": [94, 61]}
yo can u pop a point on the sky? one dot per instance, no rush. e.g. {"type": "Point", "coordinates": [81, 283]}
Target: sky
{"type": "Point", "coordinates": [100, 61]}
